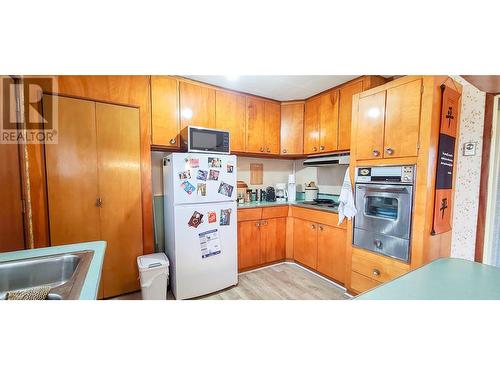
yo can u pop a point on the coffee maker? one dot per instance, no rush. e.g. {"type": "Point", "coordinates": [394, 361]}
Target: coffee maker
{"type": "Point", "coordinates": [281, 192]}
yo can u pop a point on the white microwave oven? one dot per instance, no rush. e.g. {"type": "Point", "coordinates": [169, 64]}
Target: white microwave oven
{"type": "Point", "coordinates": [198, 139]}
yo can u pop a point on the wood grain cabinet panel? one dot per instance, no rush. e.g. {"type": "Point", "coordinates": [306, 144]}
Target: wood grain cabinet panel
{"type": "Point", "coordinates": [272, 128]}
{"type": "Point", "coordinates": [230, 111]}
{"type": "Point", "coordinates": [273, 239]}
{"type": "Point", "coordinates": [164, 111]}
{"type": "Point", "coordinates": [118, 150]}
{"type": "Point", "coordinates": [328, 121]}
{"type": "Point", "coordinates": [197, 105]}
{"type": "Point", "coordinates": [361, 283]}
{"type": "Point", "coordinates": [255, 125]}
{"type": "Point", "coordinates": [402, 120]}
{"type": "Point", "coordinates": [248, 244]}
{"type": "Point", "coordinates": [311, 126]}
{"type": "Point", "coordinates": [345, 113]}
{"type": "Point", "coordinates": [72, 174]}
{"type": "Point", "coordinates": [370, 127]}
{"type": "Point", "coordinates": [305, 242]}
{"type": "Point", "coordinates": [292, 128]}
{"type": "Point", "coordinates": [331, 252]}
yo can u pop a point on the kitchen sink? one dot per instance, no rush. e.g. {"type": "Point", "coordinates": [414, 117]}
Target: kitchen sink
{"type": "Point", "coordinates": [64, 273]}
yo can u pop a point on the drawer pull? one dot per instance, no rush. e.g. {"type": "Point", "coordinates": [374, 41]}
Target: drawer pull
{"type": "Point", "coordinates": [378, 244]}
{"type": "Point", "coordinates": [376, 272]}
{"type": "Point", "coordinates": [284, 150]}
{"type": "Point", "coordinates": [172, 141]}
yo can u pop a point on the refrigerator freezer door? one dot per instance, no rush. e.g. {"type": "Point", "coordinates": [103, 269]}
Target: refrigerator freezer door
{"type": "Point", "coordinates": [201, 178]}
{"type": "Point", "coordinates": [206, 258]}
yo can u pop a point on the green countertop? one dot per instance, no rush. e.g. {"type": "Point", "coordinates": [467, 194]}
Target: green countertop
{"type": "Point", "coordinates": [91, 285]}
{"type": "Point", "coordinates": [298, 203]}
{"type": "Point", "coordinates": [442, 279]}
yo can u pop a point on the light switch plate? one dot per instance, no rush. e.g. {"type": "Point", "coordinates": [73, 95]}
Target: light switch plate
{"type": "Point", "coordinates": [470, 148]}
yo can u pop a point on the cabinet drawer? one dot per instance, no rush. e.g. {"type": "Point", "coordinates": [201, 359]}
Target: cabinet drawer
{"type": "Point", "coordinates": [360, 283]}
{"type": "Point", "coordinates": [277, 211]}
{"type": "Point", "coordinates": [317, 216]}
{"type": "Point", "coordinates": [246, 214]}
{"type": "Point", "coordinates": [376, 267]}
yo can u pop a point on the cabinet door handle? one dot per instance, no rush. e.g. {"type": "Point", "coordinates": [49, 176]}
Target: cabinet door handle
{"type": "Point", "coordinates": [376, 272]}
{"type": "Point", "coordinates": [268, 149]}
{"type": "Point", "coordinates": [315, 148]}
{"type": "Point", "coordinates": [257, 224]}
{"type": "Point", "coordinates": [378, 244]}
{"type": "Point", "coordinates": [389, 150]}
{"type": "Point", "coordinates": [98, 202]}
{"type": "Point", "coordinates": [264, 222]}
{"type": "Point", "coordinates": [172, 141]}
{"type": "Point", "coordinates": [313, 226]}
{"type": "Point", "coordinates": [284, 150]}
{"type": "Point", "coordinates": [320, 228]}
{"type": "Point", "coordinates": [376, 152]}
{"type": "Point", "coordinates": [321, 148]}
{"type": "Point", "coordinates": [262, 149]}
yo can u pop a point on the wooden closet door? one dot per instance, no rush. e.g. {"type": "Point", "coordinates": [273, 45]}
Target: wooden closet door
{"type": "Point", "coordinates": [11, 213]}
{"type": "Point", "coordinates": [311, 126]}
{"type": "Point", "coordinates": [118, 150]}
{"type": "Point", "coordinates": [329, 121]}
{"type": "Point", "coordinates": [230, 110]}
{"type": "Point", "coordinates": [71, 166]}
{"type": "Point", "coordinates": [370, 128]}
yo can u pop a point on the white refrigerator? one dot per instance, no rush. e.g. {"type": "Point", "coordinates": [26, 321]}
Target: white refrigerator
{"type": "Point", "coordinates": [200, 222]}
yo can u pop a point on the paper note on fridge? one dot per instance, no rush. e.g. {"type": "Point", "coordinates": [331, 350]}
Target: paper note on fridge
{"type": "Point", "coordinates": [209, 243]}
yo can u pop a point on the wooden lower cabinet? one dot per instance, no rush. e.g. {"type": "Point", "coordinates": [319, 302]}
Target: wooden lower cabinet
{"type": "Point", "coordinates": [248, 244]}
{"type": "Point", "coordinates": [320, 247]}
{"type": "Point", "coordinates": [361, 283]}
{"type": "Point", "coordinates": [305, 242]}
{"type": "Point", "coordinates": [331, 252]}
{"type": "Point", "coordinates": [261, 242]}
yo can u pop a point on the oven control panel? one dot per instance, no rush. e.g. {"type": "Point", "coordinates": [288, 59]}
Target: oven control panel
{"type": "Point", "coordinates": [399, 174]}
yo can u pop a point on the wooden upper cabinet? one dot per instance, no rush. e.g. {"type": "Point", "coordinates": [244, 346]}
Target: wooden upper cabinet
{"type": "Point", "coordinates": [256, 123]}
{"type": "Point", "coordinates": [328, 121]}
{"type": "Point", "coordinates": [305, 242]}
{"type": "Point", "coordinates": [311, 126]}
{"type": "Point", "coordinates": [272, 128]}
{"type": "Point", "coordinates": [164, 111]}
{"type": "Point", "coordinates": [332, 252]}
{"type": "Point", "coordinates": [345, 113]}
{"type": "Point", "coordinates": [197, 105]}
{"type": "Point", "coordinates": [370, 127]}
{"type": "Point", "coordinates": [292, 128]}
{"type": "Point", "coordinates": [402, 120]}
{"type": "Point", "coordinates": [230, 109]}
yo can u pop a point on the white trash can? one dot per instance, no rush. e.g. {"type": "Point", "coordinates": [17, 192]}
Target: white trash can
{"type": "Point", "coordinates": [153, 272]}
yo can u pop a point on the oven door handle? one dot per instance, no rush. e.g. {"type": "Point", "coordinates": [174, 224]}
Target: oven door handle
{"type": "Point", "coordinates": [384, 190]}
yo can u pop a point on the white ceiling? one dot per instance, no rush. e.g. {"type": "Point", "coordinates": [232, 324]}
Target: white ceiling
{"type": "Point", "coordinates": [276, 87]}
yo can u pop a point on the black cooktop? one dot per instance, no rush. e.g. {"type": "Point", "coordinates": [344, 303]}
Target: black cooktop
{"type": "Point", "coordinates": [322, 203]}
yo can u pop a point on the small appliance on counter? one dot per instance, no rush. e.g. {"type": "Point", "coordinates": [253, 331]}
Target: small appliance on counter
{"type": "Point", "coordinates": [311, 191]}
{"type": "Point", "coordinates": [270, 194]}
{"type": "Point", "coordinates": [281, 192]}
{"type": "Point", "coordinates": [291, 188]}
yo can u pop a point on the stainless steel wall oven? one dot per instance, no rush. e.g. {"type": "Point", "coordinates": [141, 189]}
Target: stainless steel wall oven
{"type": "Point", "coordinates": [384, 200]}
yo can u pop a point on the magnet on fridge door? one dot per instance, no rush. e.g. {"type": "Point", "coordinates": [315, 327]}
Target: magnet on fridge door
{"type": "Point", "coordinates": [202, 175]}
{"type": "Point", "coordinates": [201, 189]}
{"type": "Point", "coordinates": [185, 175]}
{"type": "Point", "coordinates": [188, 187]}
{"type": "Point", "coordinates": [230, 168]}
{"type": "Point", "coordinates": [214, 163]}
{"type": "Point", "coordinates": [213, 175]}
{"type": "Point", "coordinates": [209, 243]}
{"type": "Point", "coordinates": [194, 163]}
{"type": "Point", "coordinates": [195, 219]}
{"type": "Point", "coordinates": [212, 217]}
{"type": "Point", "coordinates": [225, 189]}
{"type": "Point", "coordinates": [225, 216]}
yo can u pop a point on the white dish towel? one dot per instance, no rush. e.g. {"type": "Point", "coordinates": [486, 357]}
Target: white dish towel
{"type": "Point", "coordinates": [347, 209]}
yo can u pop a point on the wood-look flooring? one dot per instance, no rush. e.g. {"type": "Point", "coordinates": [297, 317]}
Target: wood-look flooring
{"type": "Point", "coordinates": [284, 281]}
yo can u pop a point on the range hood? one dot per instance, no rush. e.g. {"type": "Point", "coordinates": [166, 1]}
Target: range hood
{"type": "Point", "coordinates": [327, 160]}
